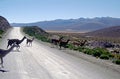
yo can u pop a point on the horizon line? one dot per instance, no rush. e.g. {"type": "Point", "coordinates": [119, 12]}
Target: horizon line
{"type": "Point", "coordinates": [66, 19]}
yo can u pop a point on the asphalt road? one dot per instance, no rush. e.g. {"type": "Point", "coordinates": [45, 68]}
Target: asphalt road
{"type": "Point", "coordinates": [43, 62]}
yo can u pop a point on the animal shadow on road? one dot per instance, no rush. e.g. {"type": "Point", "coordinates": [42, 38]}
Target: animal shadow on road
{"type": "Point", "coordinates": [15, 50]}
{"type": "Point", "coordinates": [2, 70]}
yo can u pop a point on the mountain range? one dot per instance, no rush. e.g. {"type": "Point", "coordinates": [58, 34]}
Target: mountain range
{"type": "Point", "coordinates": [80, 24]}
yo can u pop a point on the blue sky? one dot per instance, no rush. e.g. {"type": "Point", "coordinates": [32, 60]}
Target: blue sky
{"type": "Point", "coordinates": [25, 11]}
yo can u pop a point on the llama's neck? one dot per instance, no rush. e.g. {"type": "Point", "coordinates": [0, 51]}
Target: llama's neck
{"type": "Point", "coordinates": [9, 50]}
{"type": "Point", "coordinates": [84, 42]}
{"type": "Point", "coordinates": [32, 39]}
{"type": "Point", "coordinates": [67, 41]}
{"type": "Point", "coordinates": [22, 40]}
{"type": "Point", "coordinates": [60, 39]}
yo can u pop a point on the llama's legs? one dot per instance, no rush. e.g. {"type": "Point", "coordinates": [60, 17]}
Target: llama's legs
{"type": "Point", "coordinates": [60, 47]}
{"type": "Point", "coordinates": [18, 47]}
{"type": "Point", "coordinates": [1, 62]}
{"type": "Point", "coordinates": [52, 44]}
{"type": "Point", "coordinates": [27, 43]}
{"type": "Point", "coordinates": [7, 45]}
{"type": "Point", "coordinates": [31, 43]}
{"type": "Point", "coordinates": [58, 44]}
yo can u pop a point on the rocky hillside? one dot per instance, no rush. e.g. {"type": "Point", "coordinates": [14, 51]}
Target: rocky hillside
{"type": "Point", "coordinates": [4, 24]}
{"type": "Point", "coordinates": [106, 32]}
{"type": "Point", "coordinates": [36, 32]}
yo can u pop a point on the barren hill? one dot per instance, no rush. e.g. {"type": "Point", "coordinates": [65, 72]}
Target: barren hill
{"type": "Point", "coordinates": [4, 24]}
{"type": "Point", "coordinates": [106, 32]}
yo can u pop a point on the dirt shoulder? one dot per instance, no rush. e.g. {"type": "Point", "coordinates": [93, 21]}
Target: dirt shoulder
{"type": "Point", "coordinates": [104, 63]}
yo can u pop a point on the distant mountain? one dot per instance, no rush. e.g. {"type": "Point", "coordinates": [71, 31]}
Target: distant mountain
{"type": "Point", "coordinates": [4, 24]}
{"type": "Point", "coordinates": [81, 24]}
{"type": "Point", "coordinates": [106, 32]}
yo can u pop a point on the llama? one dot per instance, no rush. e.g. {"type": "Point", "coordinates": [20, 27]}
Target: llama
{"type": "Point", "coordinates": [76, 43]}
{"type": "Point", "coordinates": [81, 43]}
{"type": "Point", "coordinates": [63, 43]}
{"type": "Point", "coordinates": [3, 53]}
{"type": "Point", "coordinates": [17, 41]}
{"type": "Point", "coordinates": [56, 41]}
{"type": "Point", "coordinates": [29, 41]}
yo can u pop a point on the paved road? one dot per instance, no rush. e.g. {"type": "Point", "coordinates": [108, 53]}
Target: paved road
{"type": "Point", "coordinates": [43, 62]}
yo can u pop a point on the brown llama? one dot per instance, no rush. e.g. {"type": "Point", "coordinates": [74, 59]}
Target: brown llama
{"type": "Point", "coordinates": [29, 41]}
{"type": "Point", "coordinates": [56, 41]}
{"type": "Point", "coordinates": [76, 43]}
{"type": "Point", "coordinates": [81, 43]}
{"type": "Point", "coordinates": [16, 41]}
{"type": "Point", "coordinates": [3, 53]}
{"type": "Point", "coordinates": [64, 43]}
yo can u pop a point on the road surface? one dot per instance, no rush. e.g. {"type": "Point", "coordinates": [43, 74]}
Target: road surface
{"type": "Point", "coordinates": [43, 62]}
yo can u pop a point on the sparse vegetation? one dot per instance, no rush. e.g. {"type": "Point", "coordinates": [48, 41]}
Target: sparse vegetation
{"type": "Point", "coordinates": [88, 51]}
{"type": "Point", "coordinates": [103, 56]}
{"type": "Point", "coordinates": [36, 32]}
{"type": "Point", "coordinates": [116, 61]}
{"type": "Point", "coordinates": [1, 32]}
{"type": "Point", "coordinates": [71, 46]}
{"type": "Point", "coordinates": [97, 52]}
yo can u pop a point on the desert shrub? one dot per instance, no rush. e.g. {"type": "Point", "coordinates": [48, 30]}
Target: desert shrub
{"type": "Point", "coordinates": [118, 56]}
{"type": "Point", "coordinates": [81, 49]}
{"type": "Point", "coordinates": [103, 56]}
{"type": "Point", "coordinates": [111, 56]}
{"type": "Point", "coordinates": [75, 48]}
{"type": "Point", "coordinates": [88, 51]}
{"type": "Point", "coordinates": [97, 52]}
{"type": "Point", "coordinates": [42, 38]}
{"type": "Point", "coordinates": [116, 61]}
{"type": "Point", "coordinates": [71, 46]}
{"type": "Point", "coordinates": [29, 31]}
{"type": "Point", "coordinates": [1, 32]}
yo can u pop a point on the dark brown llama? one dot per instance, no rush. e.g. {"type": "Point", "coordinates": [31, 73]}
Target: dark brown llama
{"type": "Point", "coordinates": [80, 43]}
{"type": "Point", "coordinates": [29, 41]}
{"type": "Point", "coordinates": [83, 43]}
{"type": "Point", "coordinates": [76, 43]}
{"type": "Point", "coordinates": [63, 43]}
{"type": "Point", "coordinates": [3, 53]}
{"type": "Point", "coordinates": [16, 41]}
{"type": "Point", "coordinates": [56, 41]}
